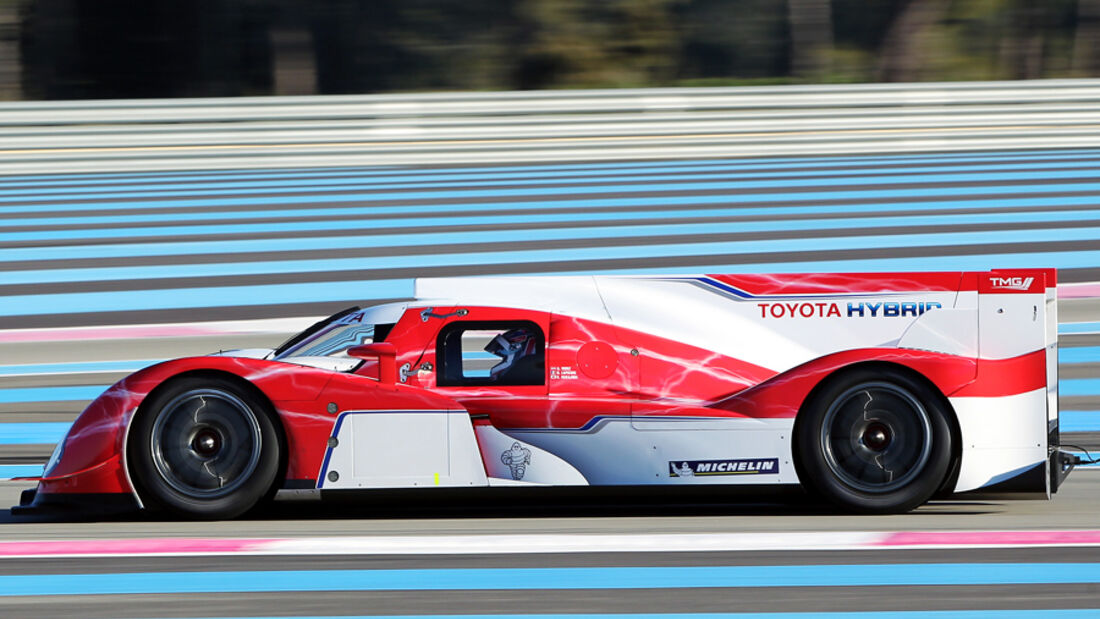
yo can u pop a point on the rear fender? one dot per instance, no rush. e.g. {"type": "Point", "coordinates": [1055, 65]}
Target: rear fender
{"type": "Point", "coordinates": [782, 396]}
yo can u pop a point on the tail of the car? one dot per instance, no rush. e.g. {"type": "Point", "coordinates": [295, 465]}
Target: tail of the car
{"type": "Point", "coordinates": [1008, 417]}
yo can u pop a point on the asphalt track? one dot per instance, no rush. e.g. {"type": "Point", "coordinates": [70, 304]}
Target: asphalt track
{"type": "Point", "coordinates": [147, 253]}
{"type": "Point", "coordinates": [497, 581]}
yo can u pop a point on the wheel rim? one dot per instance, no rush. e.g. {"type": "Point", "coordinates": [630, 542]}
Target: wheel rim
{"type": "Point", "coordinates": [876, 437]}
{"type": "Point", "coordinates": [206, 443]}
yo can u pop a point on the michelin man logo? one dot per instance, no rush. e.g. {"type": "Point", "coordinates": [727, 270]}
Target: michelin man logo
{"type": "Point", "coordinates": [684, 470]}
{"type": "Point", "coordinates": [517, 458]}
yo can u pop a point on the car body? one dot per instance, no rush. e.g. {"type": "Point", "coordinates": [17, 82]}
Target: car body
{"type": "Point", "coordinates": [877, 391]}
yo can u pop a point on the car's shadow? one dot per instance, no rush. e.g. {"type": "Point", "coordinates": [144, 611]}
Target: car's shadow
{"type": "Point", "coordinates": [515, 503]}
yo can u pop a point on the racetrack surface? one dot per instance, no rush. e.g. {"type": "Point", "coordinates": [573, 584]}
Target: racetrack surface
{"type": "Point", "coordinates": [514, 582]}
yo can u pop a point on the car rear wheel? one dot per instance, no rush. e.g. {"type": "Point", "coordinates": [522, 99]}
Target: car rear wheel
{"type": "Point", "coordinates": [204, 447]}
{"type": "Point", "coordinates": [875, 441]}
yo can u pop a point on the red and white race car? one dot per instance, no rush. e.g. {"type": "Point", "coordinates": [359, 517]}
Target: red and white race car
{"type": "Point", "coordinates": [876, 391]}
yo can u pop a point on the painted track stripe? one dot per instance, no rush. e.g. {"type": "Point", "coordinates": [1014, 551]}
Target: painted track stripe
{"type": "Point", "coordinates": [1078, 386]}
{"type": "Point", "coordinates": [805, 161]}
{"type": "Point", "coordinates": [615, 223]}
{"type": "Point", "coordinates": [33, 433]}
{"type": "Point", "coordinates": [8, 471]}
{"type": "Point", "coordinates": [50, 394]}
{"type": "Point", "coordinates": [131, 242]}
{"type": "Point", "coordinates": [130, 273]}
{"type": "Point", "coordinates": [993, 154]}
{"type": "Point", "coordinates": [1082, 354]}
{"type": "Point", "coordinates": [1072, 613]}
{"type": "Point", "coordinates": [1078, 421]}
{"type": "Point", "coordinates": [648, 182]}
{"type": "Point", "coordinates": [513, 579]}
{"type": "Point", "coordinates": [550, 543]}
{"type": "Point", "coordinates": [1079, 327]}
{"type": "Point", "coordinates": [491, 177]}
{"type": "Point", "coordinates": [725, 197]}
{"type": "Point", "coordinates": [361, 290]}
{"type": "Point", "coordinates": [39, 369]}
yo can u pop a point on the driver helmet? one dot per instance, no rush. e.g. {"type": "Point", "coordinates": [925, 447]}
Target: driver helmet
{"type": "Point", "coordinates": [510, 346]}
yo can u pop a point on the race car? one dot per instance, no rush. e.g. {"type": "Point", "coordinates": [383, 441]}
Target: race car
{"type": "Point", "coordinates": [874, 391]}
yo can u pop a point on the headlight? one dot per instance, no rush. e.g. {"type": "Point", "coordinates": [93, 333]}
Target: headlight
{"type": "Point", "coordinates": [55, 457]}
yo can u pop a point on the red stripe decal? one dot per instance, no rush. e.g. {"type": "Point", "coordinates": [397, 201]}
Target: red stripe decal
{"type": "Point", "coordinates": [1004, 377]}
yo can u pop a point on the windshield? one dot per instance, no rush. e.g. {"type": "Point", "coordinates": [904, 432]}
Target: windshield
{"type": "Point", "coordinates": [332, 339]}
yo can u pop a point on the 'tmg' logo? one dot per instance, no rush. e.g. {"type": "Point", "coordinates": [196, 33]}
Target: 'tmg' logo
{"type": "Point", "coordinates": [1012, 283]}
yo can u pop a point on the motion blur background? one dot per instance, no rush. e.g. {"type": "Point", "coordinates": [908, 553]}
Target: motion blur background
{"type": "Point", "coordinates": [74, 49]}
{"type": "Point", "coordinates": [178, 177]}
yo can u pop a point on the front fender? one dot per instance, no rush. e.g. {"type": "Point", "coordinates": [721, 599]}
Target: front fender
{"type": "Point", "coordinates": [93, 451]}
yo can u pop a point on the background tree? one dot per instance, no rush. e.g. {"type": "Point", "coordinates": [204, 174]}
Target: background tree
{"type": "Point", "coordinates": [64, 49]}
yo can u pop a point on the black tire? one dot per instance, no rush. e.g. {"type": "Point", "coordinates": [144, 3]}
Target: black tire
{"type": "Point", "coordinates": [205, 448]}
{"type": "Point", "coordinates": [875, 440]}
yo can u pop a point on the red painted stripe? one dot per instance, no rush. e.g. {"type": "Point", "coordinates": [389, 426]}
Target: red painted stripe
{"type": "Point", "coordinates": [991, 538]}
{"type": "Point", "coordinates": [131, 546]}
{"type": "Point", "coordinates": [1079, 291]}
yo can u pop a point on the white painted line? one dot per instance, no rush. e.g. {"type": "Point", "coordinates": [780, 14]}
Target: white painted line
{"type": "Point", "coordinates": [183, 329]}
{"type": "Point", "coordinates": [569, 544]}
{"type": "Point", "coordinates": [550, 543]}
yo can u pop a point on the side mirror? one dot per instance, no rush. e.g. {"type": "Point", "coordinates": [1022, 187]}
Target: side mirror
{"type": "Point", "coordinates": [386, 353]}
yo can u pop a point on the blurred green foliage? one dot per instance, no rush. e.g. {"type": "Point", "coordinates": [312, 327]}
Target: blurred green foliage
{"type": "Point", "coordinates": [65, 49]}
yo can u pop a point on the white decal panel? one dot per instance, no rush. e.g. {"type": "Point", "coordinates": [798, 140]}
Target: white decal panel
{"type": "Point", "coordinates": [402, 449]}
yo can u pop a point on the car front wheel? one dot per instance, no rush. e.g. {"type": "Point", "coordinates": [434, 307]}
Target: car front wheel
{"type": "Point", "coordinates": [204, 447]}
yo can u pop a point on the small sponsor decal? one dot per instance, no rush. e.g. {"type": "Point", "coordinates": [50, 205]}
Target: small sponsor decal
{"type": "Point", "coordinates": [563, 372]}
{"type": "Point", "coordinates": [518, 458]}
{"type": "Point", "coordinates": [746, 466]}
{"type": "Point", "coordinates": [1011, 283]}
{"type": "Point", "coordinates": [862, 309]}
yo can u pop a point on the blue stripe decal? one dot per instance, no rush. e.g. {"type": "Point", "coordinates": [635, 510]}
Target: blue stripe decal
{"type": "Point", "coordinates": [513, 579]}
{"type": "Point", "coordinates": [328, 450]}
